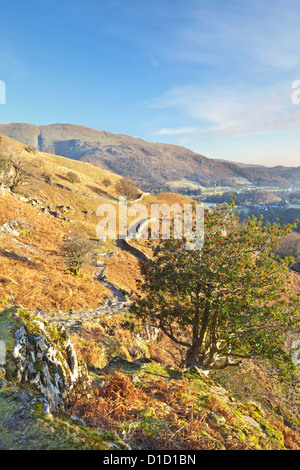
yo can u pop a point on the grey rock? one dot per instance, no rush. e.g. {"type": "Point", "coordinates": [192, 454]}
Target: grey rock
{"type": "Point", "coordinates": [23, 398]}
{"type": "Point", "coordinates": [78, 420]}
{"type": "Point", "coordinates": [214, 418]}
{"type": "Point", "coordinates": [51, 367]}
{"type": "Point", "coordinates": [3, 383]}
{"type": "Point", "coordinates": [8, 229]}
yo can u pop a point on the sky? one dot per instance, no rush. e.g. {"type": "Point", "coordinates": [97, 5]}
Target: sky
{"type": "Point", "coordinates": [219, 77]}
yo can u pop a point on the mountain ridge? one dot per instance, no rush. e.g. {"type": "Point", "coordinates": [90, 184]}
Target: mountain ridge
{"type": "Point", "coordinates": [136, 158]}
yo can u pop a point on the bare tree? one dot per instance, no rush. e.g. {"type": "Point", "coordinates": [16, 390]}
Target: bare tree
{"type": "Point", "coordinates": [125, 187]}
{"type": "Point", "coordinates": [5, 170]}
{"type": "Point", "coordinates": [106, 182]}
{"type": "Point", "coordinates": [12, 172]}
{"type": "Point", "coordinates": [73, 177]}
{"type": "Point", "coordinates": [77, 252]}
{"type": "Point", "coordinates": [20, 176]}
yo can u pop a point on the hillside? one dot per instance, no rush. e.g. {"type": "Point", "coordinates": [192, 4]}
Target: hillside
{"type": "Point", "coordinates": [80, 371]}
{"type": "Point", "coordinates": [111, 395]}
{"type": "Point", "coordinates": [283, 171]}
{"type": "Point", "coordinates": [144, 162]}
{"type": "Point", "coordinates": [36, 218]}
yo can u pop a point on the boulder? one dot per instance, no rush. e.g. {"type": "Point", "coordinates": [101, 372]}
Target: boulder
{"type": "Point", "coordinates": [43, 357]}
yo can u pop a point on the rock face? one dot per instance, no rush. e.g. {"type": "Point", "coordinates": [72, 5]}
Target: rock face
{"type": "Point", "coordinates": [6, 173]}
{"type": "Point", "coordinates": [43, 356]}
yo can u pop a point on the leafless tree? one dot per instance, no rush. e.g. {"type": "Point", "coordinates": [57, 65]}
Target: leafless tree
{"type": "Point", "coordinates": [73, 177]}
{"type": "Point", "coordinates": [77, 252]}
{"type": "Point", "coordinates": [126, 188]}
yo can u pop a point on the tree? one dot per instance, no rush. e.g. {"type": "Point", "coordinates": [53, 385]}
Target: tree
{"type": "Point", "coordinates": [73, 177]}
{"type": "Point", "coordinates": [126, 188]}
{"type": "Point", "coordinates": [230, 301]}
{"type": "Point", "coordinates": [19, 176]}
{"type": "Point", "coordinates": [106, 182]}
{"type": "Point", "coordinates": [12, 172]}
{"type": "Point", "coordinates": [6, 170]}
{"type": "Point", "coordinates": [77, 252]}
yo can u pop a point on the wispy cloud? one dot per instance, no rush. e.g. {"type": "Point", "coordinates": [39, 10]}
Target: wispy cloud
{"type": "Point", "coordinates": [179, 131]}
{"type": "Point", "coordinates": [225, 112]}
{"type": "Point", "coordinates": [11, 64]}
{"type": "Point", "coordinates": [248, 33]}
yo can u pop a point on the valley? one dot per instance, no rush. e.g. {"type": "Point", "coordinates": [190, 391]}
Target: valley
{"type": "Point", "coordinates": [122, 384]}
{"type": "Point", "coordinates": [152, 166]}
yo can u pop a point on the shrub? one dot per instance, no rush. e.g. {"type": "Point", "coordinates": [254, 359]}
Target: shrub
{"type": "Point", "coordinates": [106, 182]}
{"type": "Point", "coordinates": [126, 188]}
{"type": "Point", "coordinates": [73, 177]}
{"type": "Point", "coordinates": [77, 252]}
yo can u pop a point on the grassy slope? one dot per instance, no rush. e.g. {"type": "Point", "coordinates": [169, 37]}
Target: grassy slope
{"type": "Point", "coordinates": [154, 405]}
{"type": "Point", "coordinates": [140, 403]}
{"type": "Point", "coordinates": [29, 427]}
{"type": "Point", "coordinates": [58, 433]}
{"type": "Point", "coordinates": [43, 282]}
{"type": "Point", "coordinates": [164, 407]}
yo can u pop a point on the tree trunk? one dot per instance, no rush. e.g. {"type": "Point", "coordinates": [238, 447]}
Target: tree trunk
{"type": "Point", "coordinates": [193, 358]}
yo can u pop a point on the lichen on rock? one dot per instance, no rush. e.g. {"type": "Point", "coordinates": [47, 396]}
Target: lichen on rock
{"type": "Point", "coordinates": [42, 357]}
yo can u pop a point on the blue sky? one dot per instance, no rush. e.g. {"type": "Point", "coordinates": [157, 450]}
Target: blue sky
{"type": "Point", "coordinates": [213, 76]}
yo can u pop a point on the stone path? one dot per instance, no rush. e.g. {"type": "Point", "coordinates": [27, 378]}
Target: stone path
{"type": "Point", "coordinates": [116, 303]}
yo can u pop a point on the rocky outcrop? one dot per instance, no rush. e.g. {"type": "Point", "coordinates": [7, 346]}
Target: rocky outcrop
{"type": "Point", "coordinates": [6, 173]}
{"type": "Point", "coordinates": [42, 356]}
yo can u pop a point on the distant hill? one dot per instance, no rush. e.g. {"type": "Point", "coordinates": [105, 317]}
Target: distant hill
{"type": "Point", "coordinates": [279, 170]}
{"type": "Point", "coordinates": [49, 205]}
{"type": "Point", "coordinates": [142, 161]}
{"type": "Point", "coordinates": [107, 381]}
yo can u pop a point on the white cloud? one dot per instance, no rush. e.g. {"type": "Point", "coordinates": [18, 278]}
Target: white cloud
{"type": "Point", "coordinates": [224, 112]}
{"type": "Point", "coordinates": [179, 131]}
{"type": "Point", "coordinates": [257, 35]}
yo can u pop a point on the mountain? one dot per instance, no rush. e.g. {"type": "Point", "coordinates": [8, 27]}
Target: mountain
{"type": "Point", "coordinates": [279, 170]}
{"type": "Point", "coordinates": [44, 208]}
{"type": "Point", "coordinates": [142, 161]}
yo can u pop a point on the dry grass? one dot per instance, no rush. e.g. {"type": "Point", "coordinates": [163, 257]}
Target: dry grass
{"type": "Point", "coordinates": [88, 346]}
{"type": "Point", "coordinates": [117, 400]}
{"type": "Point", "coordinates": [123, 271]}
{"type": "Point", "coordinates": [39, 280]}
{"type": "Point", "coordinates": [166, 352]}
{"type": "Point", "coordinates": [172, 198]}
{"type": "Point", "coordinates": [295, 283]}
{"type": "Point", "coordinates": [91, 177]}
{"type": "Point", "coordinates": [170, 407]}
{"type": "Point", "coordinates": [291, 438]}
{"type": "Point", "coordinates": [98, 343]}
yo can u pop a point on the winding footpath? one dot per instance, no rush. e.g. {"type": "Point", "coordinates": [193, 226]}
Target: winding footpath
{"type": "Point", "coordinates": [117, 302]}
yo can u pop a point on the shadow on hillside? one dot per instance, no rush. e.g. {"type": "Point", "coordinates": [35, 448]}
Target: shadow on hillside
{"type": "Point", "coordinates": [18, 257]}
{"type": "Point", "coordinates": [62, 177]}
{"type": "Point", "coordinates": [150, 367]}
{"type": "Point", "coordinates": [97, 191]}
